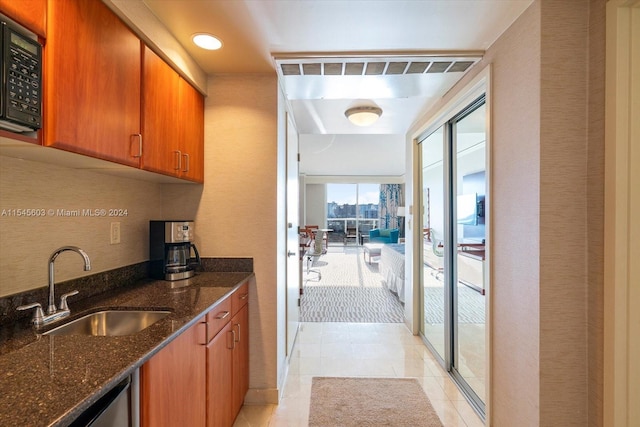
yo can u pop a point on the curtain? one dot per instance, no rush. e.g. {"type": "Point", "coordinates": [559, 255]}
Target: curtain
{"type": "Point", "coordinates": [391, 196]}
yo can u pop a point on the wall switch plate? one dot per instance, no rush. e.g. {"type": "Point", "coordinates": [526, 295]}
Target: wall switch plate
{"type": "Point", "coordinates": [115, 233]}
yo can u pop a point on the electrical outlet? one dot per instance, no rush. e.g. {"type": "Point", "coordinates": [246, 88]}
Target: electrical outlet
{"type": "Point", "coordinates": [115, 233]}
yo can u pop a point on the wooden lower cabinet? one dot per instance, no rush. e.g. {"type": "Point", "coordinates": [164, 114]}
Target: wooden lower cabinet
{"type": "Point", "coordinates": [173, 390]}
{"type": "Point", "coordinates": [199, 380]}
{"type": "Point", "coordinates": [240, 327]}
{"type": "Point", "coordinates": [228, 365]}
{"type": "Point", "coordinates": [220, 379]}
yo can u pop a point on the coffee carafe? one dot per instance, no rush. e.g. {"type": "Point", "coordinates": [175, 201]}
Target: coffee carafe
{"type": "Point", "coordinates": [170, 248]}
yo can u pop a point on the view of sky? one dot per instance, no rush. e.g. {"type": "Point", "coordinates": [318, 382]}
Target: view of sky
{"type": "Point", "coordinates": [346, 193]}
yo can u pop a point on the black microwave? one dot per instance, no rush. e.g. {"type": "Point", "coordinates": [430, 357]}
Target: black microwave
{"type": "Point", "coordinates": [21, 77]}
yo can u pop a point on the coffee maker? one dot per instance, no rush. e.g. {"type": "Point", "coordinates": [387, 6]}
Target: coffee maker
{"type": "Point", "coordinates": [170, 250]}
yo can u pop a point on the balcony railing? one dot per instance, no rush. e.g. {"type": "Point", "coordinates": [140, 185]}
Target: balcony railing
{"type": "Point", "coordinates": [339, 227]}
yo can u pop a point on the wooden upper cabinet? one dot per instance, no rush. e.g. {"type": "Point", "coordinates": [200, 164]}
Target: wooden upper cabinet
{"type": "Point", "coordinates": [172, 121]}
{"type": "Point", "coordinates": [31, 14]}
{"type": "Point", "coordinates": [191, 122]}
{"type": "Point", "coordinates": [159, 122]}
{"type": "Point", "coordinates": [92, 82]}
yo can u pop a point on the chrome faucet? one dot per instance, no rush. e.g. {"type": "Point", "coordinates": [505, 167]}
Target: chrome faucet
{"type": "Point", "coordinates": [51, 308]}
{"type": "Point", "coordinates": [53, 313]}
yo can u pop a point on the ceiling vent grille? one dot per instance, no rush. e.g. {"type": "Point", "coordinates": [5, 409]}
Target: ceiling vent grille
{"type": "Point", "coordinates": [373, 68]}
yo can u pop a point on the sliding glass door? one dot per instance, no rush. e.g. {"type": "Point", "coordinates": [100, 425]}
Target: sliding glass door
{"type": "Point", "coordinates": [352, 210]}
{"type": "Point", "coordinates": [454, 192]}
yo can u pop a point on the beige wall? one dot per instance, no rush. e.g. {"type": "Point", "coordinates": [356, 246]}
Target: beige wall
{"type": "Point", "coordinates": [563, 213]}
{"type": "Point", "coordinates": [235, 210]}
{"type": "Point", "coordinates": [547, 199]}
{"type": "Point", "coordinates": [515, 241]}
{"type": "Point", "coordinates": [26, 243]}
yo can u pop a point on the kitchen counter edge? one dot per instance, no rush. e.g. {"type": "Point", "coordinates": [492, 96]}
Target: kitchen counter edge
{"type": "Point", "coordinates": [224, 285]}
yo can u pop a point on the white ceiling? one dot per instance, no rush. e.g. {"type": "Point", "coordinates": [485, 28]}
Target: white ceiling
{"type": "Point", "coordinates": [254, 32]}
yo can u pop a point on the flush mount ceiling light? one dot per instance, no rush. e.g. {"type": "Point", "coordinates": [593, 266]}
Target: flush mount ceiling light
{"type": "Point", "coordinates": [207, 41]}
{"type": "Point", "coordinates": [363, 116]}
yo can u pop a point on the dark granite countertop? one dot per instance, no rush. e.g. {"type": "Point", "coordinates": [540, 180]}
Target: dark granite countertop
{"type": "Point", "coordinates": [50, 380]}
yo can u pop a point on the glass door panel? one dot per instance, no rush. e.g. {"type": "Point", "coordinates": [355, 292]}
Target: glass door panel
{"type": "Point", "coordinates": [368, 209]}
{"type": "Point", "coordinates": [341, 209]}
{"type": "Point", "coordinates": [433, 224]}
{"type": "Point", "coordinates": [469, 184]}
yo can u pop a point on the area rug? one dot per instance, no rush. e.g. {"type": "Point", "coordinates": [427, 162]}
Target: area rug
{"type": "Point", "coordinates": [362, 402]}
{"type": "Point", "coordinates": [350, 290]}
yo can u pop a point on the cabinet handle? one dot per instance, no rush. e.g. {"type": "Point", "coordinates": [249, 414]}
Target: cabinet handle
{"type": "Point", "coordinates": [206, 333]}
{"type": "Point", "coordinates": [223, 315]}
{"type": "Point", "coordinates": [186, 162]}
{"type": "Point", "coordinates": [139, 135]}
{"type": "Point", "coordinates": [238, 338]}
{"type": "Point", "coordinates": [244, 296]}
{"type": "Point", "coordinates": [179, 158]}
{"type": "Point", "coordinates": [233, 339]}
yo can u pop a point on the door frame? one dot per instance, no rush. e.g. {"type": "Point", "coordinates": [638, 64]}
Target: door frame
{"type": "Point", "coordinates": [622, 207]}
{"type": "Point", "coordinates": [293, 258]}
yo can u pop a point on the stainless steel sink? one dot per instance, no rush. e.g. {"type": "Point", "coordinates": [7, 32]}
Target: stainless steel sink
{"type": "Point", "coordinates": [110, 323]}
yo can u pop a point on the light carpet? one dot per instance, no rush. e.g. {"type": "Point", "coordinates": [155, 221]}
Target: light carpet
{"type": "Point", "coordinates": [362, 402]}
{"type": "Point", "coordinates": [350, 290]}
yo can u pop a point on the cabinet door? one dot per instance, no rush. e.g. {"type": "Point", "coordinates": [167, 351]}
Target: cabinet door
{"type": "Point", "coordinates": [31, 14]}
{"type": "Point", "coordinates": [92, 81]}
{"type": "Point", "coordinates": [240, 325]}
{"type": "Point", "coordinates": [219, 379]}
{"type": "Point", "coordinates": [160, 152]}
{"type": "Point", "coordinates": [173, 386]}
{"type": "Point", "coordinates": [191, 121]}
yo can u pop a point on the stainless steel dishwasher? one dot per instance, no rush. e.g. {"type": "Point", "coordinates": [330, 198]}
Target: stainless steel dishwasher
{"type": "Point", "coordinates": [119, 407]}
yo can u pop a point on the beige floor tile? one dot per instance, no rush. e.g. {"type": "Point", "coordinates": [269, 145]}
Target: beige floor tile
{"type": "Point", "coordinates": [254, 416]}
{"type": "Point", "coordinates": [306, 350]}
{"type": "Point", "coordinates": [291, 412]}
{"type": "Point", "coordinates": [335, 350]}
{"type": "Point", "coordinates": [371, 368]}
{"type": "Point", "coordinates": [335, 337]}
{"type": "Point", "coordinates": [334, 327]}
{"type": "Point", "coordinates": [359, 350]}
{"type": "Point", "coordinates": [448, 413]}
{"type": "Point", "coordinates": [310, 366]}
{"type": "Point", "coordinates": [432, 388]}
{"type": "Point", "coordinates": [369, 351]}
{"type": "Point", "coordinates": [411, 368]}
{"type": "Point", "coordinates": [470, 417]}
{"type": "Point", "coordinates": [451, 390]}
{"type": "Point", "coordinates": [298, 387]}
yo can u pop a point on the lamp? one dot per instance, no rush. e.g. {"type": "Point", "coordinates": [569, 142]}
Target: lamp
{"type": "Point", "coordinates": [364, 115]}
{"type": "Point", "coordinates": [207, 41]}
{"type": "Point", "coordinates": [401, 211]}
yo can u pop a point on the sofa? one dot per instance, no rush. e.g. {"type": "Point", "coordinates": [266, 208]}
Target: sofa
{"type": "Point", "coordinates": [384, 235]}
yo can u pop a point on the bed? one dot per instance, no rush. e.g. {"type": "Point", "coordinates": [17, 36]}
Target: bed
{"type": "Point", "coordinates": [392, 268]}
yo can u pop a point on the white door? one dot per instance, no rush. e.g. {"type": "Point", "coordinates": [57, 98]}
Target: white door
{"type": "Point", "coordinates": [293, 254]}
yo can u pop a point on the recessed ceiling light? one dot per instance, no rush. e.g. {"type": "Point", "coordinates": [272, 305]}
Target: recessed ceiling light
{"type": "Point", "coordinates": [207, 41]}
{"type": "Point", "coordinates": [363, 116]}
